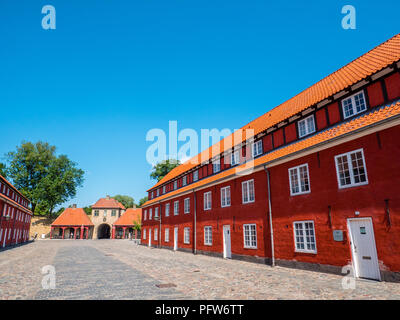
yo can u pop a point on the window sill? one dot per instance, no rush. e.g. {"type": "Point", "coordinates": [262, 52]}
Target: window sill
{"type": "Point", "coordinates": [353, 185]}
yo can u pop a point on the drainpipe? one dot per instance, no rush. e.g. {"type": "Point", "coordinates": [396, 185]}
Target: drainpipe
{"type": "Point", "coordinates": [270, 218]}
{"type": "Point", "coordinates": [195, 225]}
{"type": "Point", "coordinates": [159, 239]}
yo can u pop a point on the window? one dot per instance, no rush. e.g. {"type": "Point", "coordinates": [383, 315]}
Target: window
{"type": "Point", "coordinates": [156, 212]}
{"type": "Point", "coordinates": [187, 205]}
{"type": "Point", "coordinates": [184, 181]}
{"type": "Point", "coordinates": [354, 104]}
{"type": "Point", "coordinates": [144, 234]}
{"type": "Point", "coordinates": [186, 235]}
{"type": "Point", "coordinates": [256, 148]}
{"type": "Point", "coordinates": [105, 213]}
{"type": "Point", "coordinates": [176, 208]}
{"type": "Point", "coordinates": [250, 236]}
{"type": "Point", "coordinates": [248, 191]}
{"type": "Point", "coordinates": [225, 197]}
{"type": "Point", "coordinates": [304, 236]}
{"type": "Point", "coordinates": [208, 236]}
{"type": "Point", "coordinates": [299, 180]}
{"type": "Point", "coordinates": [306, 126]}
{"type": "Point", "coordinates": [216, 166]}
{"type": "Point", "coordinates": [351, 170]}
{"type": "Point", "coordinates": [113, 212]}
{"type": "Point", "coordinates": [96, 213]}
{"type": "Point", "coordinates": [150, 213]}
{"type": "Point", "coordinates": [158, 192]}
{"type": "Point", "coordinates": [175, 184]}
{"type": "Point", "coordinates": [196, 175]}
{"type": "Point", "coordinates": [155, 234]}
{"type": "Point", "coordinates": [166, 235]}
{"type": "Point", "coordinates": [145, 215]}
{"type": "Point", "coordinates": [167, 210]}
{"type": "Point", "coordinates": [235, 158]}
{"type": "Point", "coordinates": [207, 200]}
{"type": "Point", "coordinates": [163, 189]}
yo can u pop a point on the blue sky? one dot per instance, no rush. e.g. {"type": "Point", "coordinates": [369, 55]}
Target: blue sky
{"type": "Point", "coordinates": [112, 70]}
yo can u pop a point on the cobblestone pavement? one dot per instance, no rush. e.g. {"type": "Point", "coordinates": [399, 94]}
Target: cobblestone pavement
{"type": "Point", "coordinates": [119, 269]}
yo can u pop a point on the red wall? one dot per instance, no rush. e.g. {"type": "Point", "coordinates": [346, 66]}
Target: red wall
{"type": "Point", "coordinates": [320, 117]}
{"type": "Point", "coordinates": [334, 114]}
{"type": "Point", "coordinates": [375, 94]}
{"type": "Point", "coordinates": [393, 86]}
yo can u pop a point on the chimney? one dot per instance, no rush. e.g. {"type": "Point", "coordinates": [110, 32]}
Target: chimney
{"type": "Point", "coordinates": [134, 206]}
{"type": "Point", "coordinates": [108, 197]}
{"type": "Point", "coordinates": [74, 206]}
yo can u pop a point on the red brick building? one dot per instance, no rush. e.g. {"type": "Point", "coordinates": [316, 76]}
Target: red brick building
{"type": "Point", "coordinates": [15, 215]}
{"type": "Point", "coordinates": [316, 185]}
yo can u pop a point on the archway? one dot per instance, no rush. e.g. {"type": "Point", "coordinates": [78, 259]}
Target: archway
{"type": "Point", "coordinates": [103, 231]}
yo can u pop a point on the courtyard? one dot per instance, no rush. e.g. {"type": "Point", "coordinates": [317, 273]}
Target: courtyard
{"type": "Point", "coordinates": [119, 269]}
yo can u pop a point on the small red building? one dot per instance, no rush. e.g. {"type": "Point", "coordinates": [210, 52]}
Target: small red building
{"type": "Point", "coordinates": [15, 215]}
{"type": "Point", "coordinates": [123, 228]}
{"type": "Point", "coordinates": [314, 186]}
{"type": "Point", "coordinates": [73, 223]}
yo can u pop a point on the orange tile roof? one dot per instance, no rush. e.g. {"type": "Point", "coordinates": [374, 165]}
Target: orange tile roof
{"type": "Point", "coordinates": [72, 217]}
{"type": "Point", "coordinates": [129, 217]}
{"type": "Point", "coordinates": [14, 188]}
{"type": "Point", "coordinates": [371, 62]}
{"type": "Point", "coordinates": [360, 122]}
{"type": "Point", "coordinates": [108, 203]}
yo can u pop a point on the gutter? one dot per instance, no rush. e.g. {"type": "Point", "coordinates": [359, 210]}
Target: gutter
{"type": "Point", "coordinates": [195, 224]}
{"type": "Point", "coordinates": [270, 218]}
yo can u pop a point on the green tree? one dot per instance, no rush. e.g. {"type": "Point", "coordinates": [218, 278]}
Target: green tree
{"type": "Point", "coordinates": [3, 170]}
{"type": "Point", "coordinates": [161, 169]}
{"type": "Point", "coordinates": [142, 201]}
{"type": "Point", "coordinates": [43, 177]}
{"type": "Point", "coordinates": [127, 201]}
{"type": "Point", "coordinates": [88, 210]}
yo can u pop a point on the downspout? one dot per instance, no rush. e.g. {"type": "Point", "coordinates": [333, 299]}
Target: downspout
{"type": "Point", "coordinates": [270, 218]}
{"type": "Point", "coordinates": [195, 225]}
{"type": "Point", "coordinates": [159, 239]}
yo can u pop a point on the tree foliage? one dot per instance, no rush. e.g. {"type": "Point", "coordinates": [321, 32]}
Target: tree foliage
{"type": "Point", "coordinates": [142, 201]}
{"type": "Point", "coordinates": [127, 201]}
{"type": "Point", "coordinates": [161, 169]}
{"type": "Point", "coordinates": [3, 170]}
{"type": "Point", "coordinates": [43, 177]}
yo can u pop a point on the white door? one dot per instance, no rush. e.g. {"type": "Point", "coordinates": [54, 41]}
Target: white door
{"type": "Point", "coordinates": [365, 258]}
{"type": "Point", "coordinates": [227, 241]}
{"type": "Point", "coordinates": [176, 238]}
{"type": "Point", "coordinates": [149, 237]}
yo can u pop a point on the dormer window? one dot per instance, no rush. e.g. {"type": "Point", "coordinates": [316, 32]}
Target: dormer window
{"type": "Point", "coordinates": [184, 181]}
{"type": "Point", "coordinates": [175, 184]}
{"type": "Point", "coordinates": [216, 166]}
{"type": "Point", "coordinates": [158, 192]}
{"type": "Point", "coordinates": [163, 189]}
{"type": "Point", "coordinates": [256, 148]}
{"type": "Point", "coordinates": [306, 126]}
{"type": "Point", "coordinates": [195, 175]}
{"type": "Point", "coordinates": [354, 104]}
{"type": "Point", "coordinates": [235, 158]}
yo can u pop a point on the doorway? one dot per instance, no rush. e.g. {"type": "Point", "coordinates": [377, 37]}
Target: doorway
{"type": "Point", "coordinates": [103, 231]}
{"type": "Point", "coordinates": [175, 238]}
{"type": "Point", "coordinates": [227, 241]}
{"type": "Point", "coordinates": [149, 237]}
{"type": "Point", "coordinates": [363, 248]}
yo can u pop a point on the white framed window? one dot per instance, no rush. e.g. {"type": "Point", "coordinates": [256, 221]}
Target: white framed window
{"type": "Point", "coordinates": [184, 181]}
{"type": "Point", "coordinates": [175, 184]}
{"type": "Point", "coordinates": [250, 236]}
{"type": "Point", "coordinates": [144, 234]}
{"type": "Point", "coordinates": [186, 205]}
{"type": "Point", "coordinates": [166, 234]}
{"type": "Point", "coordinates": [351, 169]}
{"type": "Point", "coordinates": [207, 200]}
{"type": "Point", "coordinates": [195, 175]}
{"type": "Point", "coordinates": [235, 159]}
{"type": "Point", "coordinates": [354, 104]}
{"type": "Point", "coordinates": [208, 236]}
{"type": "Point", "coordinates": [150, 213]}
{"type": "Point", "coordinates": [186, 235]}
{"type": "Point", "coordinates": [304, 236]}
{"type": "Point", "coordinates": [176, 208]}
{"type": "Point", "coordinates": [105, 213]}
{"type": "Point", "coordinates": [299, 180]}
{"type": "Point", "coordinates": [167, 210]}
{"type": "Point", "coordinates": [256, 148]}
{"type": "Point", "coordinates": [216, 166]}
{"type": "Point", "coordinates": [306, 126]}
{"type": "Point", "coordinates": [225, 196]}
{"type": "Point", "coordinates": [158, 192]}
{"type": "Point", "coordinates": [156, 212]}
{"type": "Point", "coordinates": [163, 189]}
{"type": "Point", "coordinates": [155, 234]}
{"type": "Point", "coordinates": [248, 191]}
